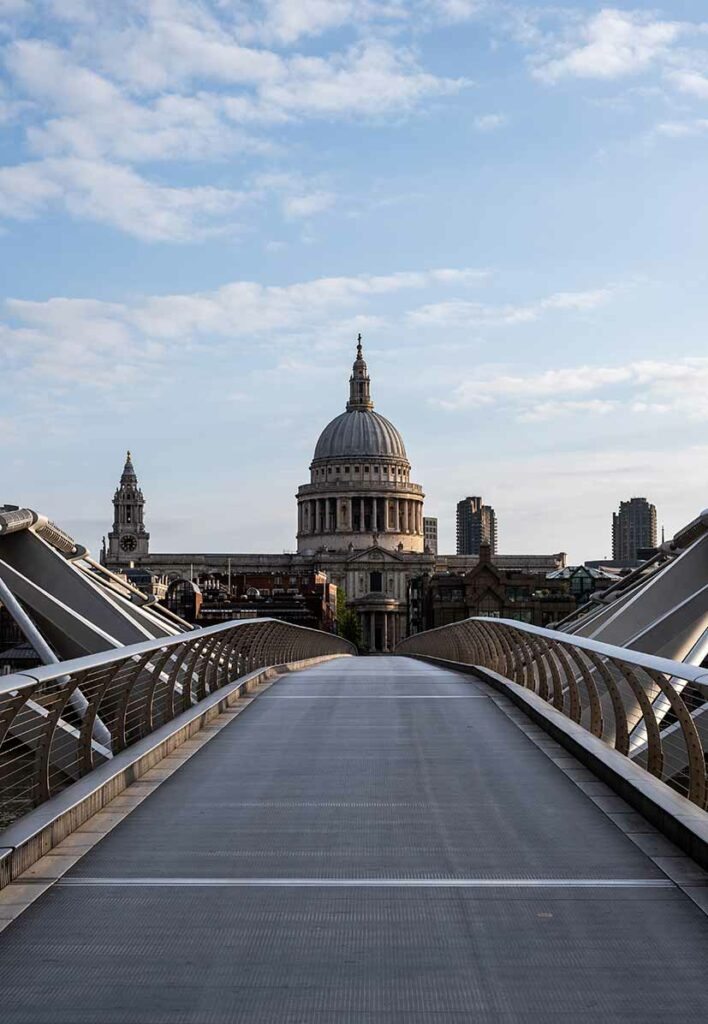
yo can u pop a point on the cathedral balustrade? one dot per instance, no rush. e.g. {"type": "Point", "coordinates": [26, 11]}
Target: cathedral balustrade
{"type": "Point", "coordinates": [322, 489]}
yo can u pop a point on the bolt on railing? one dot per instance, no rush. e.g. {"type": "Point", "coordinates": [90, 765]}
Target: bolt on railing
{"type": "Point", "coordinates": [651, 709]}
{"type": "Point", "coordinates": [45, 745]}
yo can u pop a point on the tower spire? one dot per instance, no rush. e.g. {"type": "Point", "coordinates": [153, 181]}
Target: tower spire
{"type": "Point", "coordinates": [359, 383]}
{"type": "Point", "coordinates": [128, 475]}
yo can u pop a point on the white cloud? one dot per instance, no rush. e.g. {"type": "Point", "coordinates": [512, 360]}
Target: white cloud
{"type": "Point", "coordinates": [83, 340]}
{"type": "Point", "coordinates": [457, 10]}
{"type": "Point", "coordinates": [611, 44]}
{"type": "Point", "coordinates": [647, 387]}
{"type": "Point", "coordinates": [308, 205]}
{"type": "Point", "coordinates": [682, 129]}
{"type": "Point", "coordinates": [286, 21]}
{"type": "Point", "coordinates": [96, 119]}
{"type": "Point", "coordinates": [117, 196]}
{"type": "Point", "coordinates": [462, 313]}
{"type": "Point", "coordinates": [370, 79]}
{"type": "Point", "coordinates": [171, 81]}
{"type": "Point", "coordinates": [553, 409]}
{"type": "Point", "coordinates": [690, 82]}
{"type": "Point", "coordinates": [490, 122]}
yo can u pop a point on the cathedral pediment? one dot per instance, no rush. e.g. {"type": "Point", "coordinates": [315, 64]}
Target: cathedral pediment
{"type": "Point", "coordinates": [374, 556]}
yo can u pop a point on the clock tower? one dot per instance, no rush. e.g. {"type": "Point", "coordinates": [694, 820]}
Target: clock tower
{"type": "Point", "coordinates": [128, 541]}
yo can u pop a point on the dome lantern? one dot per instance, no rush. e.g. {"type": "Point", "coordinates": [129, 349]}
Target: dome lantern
{"type": "Point", "coordinates": [359, 383]}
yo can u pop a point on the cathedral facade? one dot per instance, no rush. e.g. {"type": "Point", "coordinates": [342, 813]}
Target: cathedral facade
{"type": "Point", "coordinates": [359, 519]}
{"type": "Point", "coordinates": [361, 515]}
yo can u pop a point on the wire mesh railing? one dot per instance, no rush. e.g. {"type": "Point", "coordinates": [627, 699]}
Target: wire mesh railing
{"type": "Point", "coordinates": [46, 743]}
{"type": "Point", "coordinates": [651, 709]}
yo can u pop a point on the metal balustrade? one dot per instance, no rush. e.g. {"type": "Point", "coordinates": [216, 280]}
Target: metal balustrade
{"type": "Point", "coordinates": [46, 744]}
{"type": "Point", "coordinates": [651, 709]}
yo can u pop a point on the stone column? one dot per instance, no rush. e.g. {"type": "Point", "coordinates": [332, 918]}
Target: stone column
{"type": "Point", "coordinates": [375, 514]}
{"type": "Point", "coordinates": [385, 631]}
{"type": "Point", "coordinates": [362, 511]}
{"type": "Point", "coordinates": [397, 515]}
{"type": "Point", "coordinates": [318, 517]}
{"type": "Point", "coordinates": [350, 520]}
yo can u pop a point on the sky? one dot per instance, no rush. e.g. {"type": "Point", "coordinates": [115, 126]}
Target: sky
{"type": "Point", "coordinates": [202, 204]}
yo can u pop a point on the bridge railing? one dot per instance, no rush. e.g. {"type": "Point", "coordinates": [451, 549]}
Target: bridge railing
{"type": "Point", "coordinates": [45, 744]}
{"type": "Point", "coordinates": [651, 709]}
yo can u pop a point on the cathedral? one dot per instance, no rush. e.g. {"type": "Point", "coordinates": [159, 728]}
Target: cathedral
{"type": "Point", "coordinates": [359, 519]}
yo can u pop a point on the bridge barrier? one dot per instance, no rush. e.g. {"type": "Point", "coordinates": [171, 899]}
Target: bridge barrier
{"type": "Point", "coordinates": [651, 709]}
{"type": "Point", "coordinates": [45, 745]}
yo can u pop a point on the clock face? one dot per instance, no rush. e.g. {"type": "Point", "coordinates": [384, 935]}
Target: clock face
{"type": "Point", "coordinates": [128, 543]}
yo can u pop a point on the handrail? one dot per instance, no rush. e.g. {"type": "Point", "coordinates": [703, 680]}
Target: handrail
{"type": "Point", "coordinates": [46, 744]}
{"type": "Point", "coordinates": [696, 675]}
{"type": "Point", "coordinates": [47, 673]}
{"type": "Point", "coordinates": [650, 708]}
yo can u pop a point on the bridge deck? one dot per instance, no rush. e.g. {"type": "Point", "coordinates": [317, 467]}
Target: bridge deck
{"type": "Point", "coordinates": [369, 769]}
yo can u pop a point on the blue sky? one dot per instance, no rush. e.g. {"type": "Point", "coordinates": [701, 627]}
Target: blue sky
{"type": "Point", "coordinates": [201, 204]}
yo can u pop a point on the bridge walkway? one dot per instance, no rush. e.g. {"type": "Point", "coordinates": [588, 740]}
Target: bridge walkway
{"type": "Point", "coordinates": [373, 840]}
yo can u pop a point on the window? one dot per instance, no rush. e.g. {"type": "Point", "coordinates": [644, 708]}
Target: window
{"type": "Point", "coordinates": [375, 582]}
{"type": "Point", "coordinates": [337, 470]}
{"type": "Point", "coordinates": [376, 469]}
{"type": "Point", "coordinates": [346, 469]}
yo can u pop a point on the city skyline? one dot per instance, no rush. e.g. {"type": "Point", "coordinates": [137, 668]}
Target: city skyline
{"type": "Point", "coordinates": [193, 236]}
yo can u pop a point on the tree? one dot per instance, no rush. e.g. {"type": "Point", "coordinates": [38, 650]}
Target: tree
{"type": "Point", "coordinates": [347, 620]}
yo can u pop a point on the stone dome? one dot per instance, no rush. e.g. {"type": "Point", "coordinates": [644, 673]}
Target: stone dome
{"type": "Point", "coordinates": [357, 433]}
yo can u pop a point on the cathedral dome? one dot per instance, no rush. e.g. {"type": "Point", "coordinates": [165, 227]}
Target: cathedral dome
{"type": "Point", "coordinates": [360, 432]}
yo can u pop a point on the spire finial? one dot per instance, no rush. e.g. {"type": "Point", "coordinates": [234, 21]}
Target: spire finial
{"type": "Point", "coordinates": [358, 346]}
